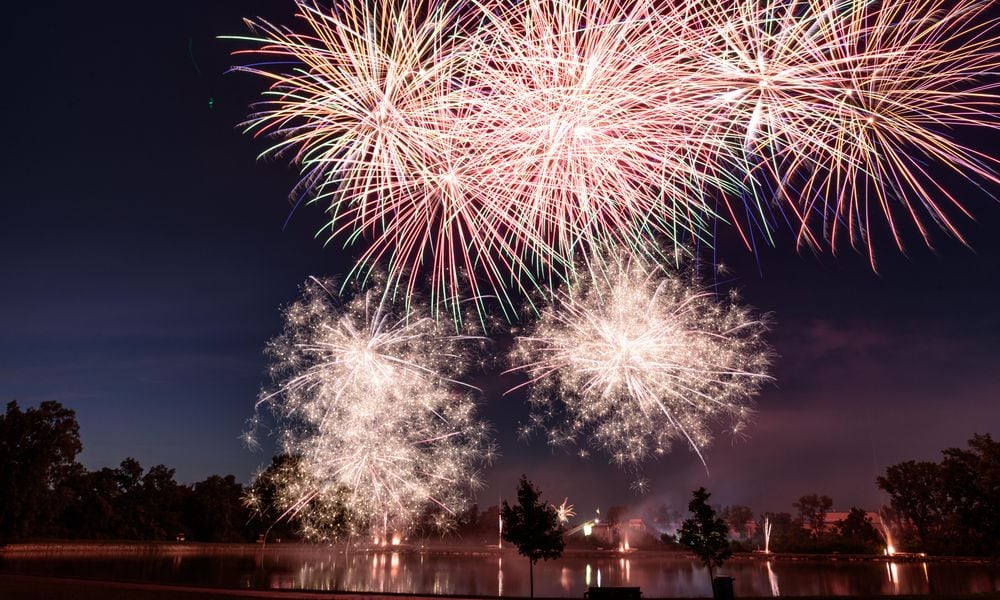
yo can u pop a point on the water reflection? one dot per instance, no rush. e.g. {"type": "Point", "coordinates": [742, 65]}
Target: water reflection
{"type": "Point", "coordinates": [773, 580]}
{"type": "Point", "coordinates": [893, 571]}
{"type": "Point", "coordinates": [414, 570]}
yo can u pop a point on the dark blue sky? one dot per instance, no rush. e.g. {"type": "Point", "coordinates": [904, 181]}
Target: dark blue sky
{"type": "Point", "coordinates": [143, 263]}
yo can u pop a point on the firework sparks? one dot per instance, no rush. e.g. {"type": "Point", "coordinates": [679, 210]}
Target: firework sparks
{"type": "Point", "coordinates": [482, 148]}
{"type": "Point", "coordinates": [371, 407]}
{"type": "Point", "coordinates": [589, 150]}
{"type": "Point", "coordinates": [364, 102]}
{"type": "Point", "coordinates": [565, 511]}
{"type": "Point", "coordinates": [632, 360]}
{"type": "Point", "coordinates": [842, 106]}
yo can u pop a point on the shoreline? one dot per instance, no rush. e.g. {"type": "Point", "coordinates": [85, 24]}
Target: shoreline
{"type": "Point", "coordinates": [139, 547]}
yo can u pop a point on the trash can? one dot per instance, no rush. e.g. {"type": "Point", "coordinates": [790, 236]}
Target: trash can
{"type": "Point", "coordinates": [722, 588]}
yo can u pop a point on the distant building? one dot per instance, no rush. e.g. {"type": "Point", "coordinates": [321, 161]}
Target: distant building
{"type": "Point", "coordinates": [635, 527]}
{"type": "Point", "coordinates": [627, 530]}
{"type": "Point", "coordinates": [602, 531]}
{"type": "Point", "coordinates": [834, 517]}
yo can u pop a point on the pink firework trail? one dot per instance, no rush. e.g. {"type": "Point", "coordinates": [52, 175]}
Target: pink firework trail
{"type": "Point", "coordinates": [588, 149]}
{"type": "Point", "coordinates": [486, 147]}
{"type": "Point", "coordinates": [843, 108]}
{"type": "Point", "coordinates": [364, 103]}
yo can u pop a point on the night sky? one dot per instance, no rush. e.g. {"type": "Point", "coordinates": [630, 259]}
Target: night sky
{"type": "Point", "coordinates": [144, 259]}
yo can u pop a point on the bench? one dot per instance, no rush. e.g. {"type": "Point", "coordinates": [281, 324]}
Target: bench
{"type": "Point", "coordinates": [613, 593]}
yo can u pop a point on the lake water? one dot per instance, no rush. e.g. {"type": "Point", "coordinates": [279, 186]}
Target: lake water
{"type": "Point", "coordinates": [490, 574]}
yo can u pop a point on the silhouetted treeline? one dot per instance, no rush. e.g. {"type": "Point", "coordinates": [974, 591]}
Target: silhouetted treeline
{"type": "Point", "coordinates": [946, 507]}
{"type": "Point", "coordinates": [809, 531]}
{"type": "Point", "coordinates": [46, 493]}
{"type": "Point", "coordinates": [951, 507]}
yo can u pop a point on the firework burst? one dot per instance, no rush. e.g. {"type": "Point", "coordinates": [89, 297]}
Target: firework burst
{"type": "Point", "coordinates": [565, 511]}
{"type": "Point", "coordinates": [365, 103]}
{"type": "Point", "coordinates": [482, 148]}
{"type": "Point", "coordinates": [589, 150]}
{"type": "Point", "coordinates": [370, 405]}
{"type": "Point", "coordinates": [842, 107]}
{"type": "Point", "coordinates": [632, 360]}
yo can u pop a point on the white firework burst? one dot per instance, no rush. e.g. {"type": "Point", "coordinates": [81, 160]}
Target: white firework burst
{"type": "Point", "coordinates": [632, 359]}
{"type": "Point", "coordinates": [370, 405]}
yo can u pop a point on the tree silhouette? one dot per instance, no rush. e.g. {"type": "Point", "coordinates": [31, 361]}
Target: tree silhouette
{"type": "Point", "coordinates": [951, 505]}
{"type": "Point", "coordinates": [38, 449]}
{"type": "Point", "coordinates": [214, 511]}
{"type": "Point", "coordinates": [533, 527]}
{"type": "Point", "coordinates": [705, 533]}
{"type": "Point", "coordinates": [916, 492]}
{"type": "Point", "coordinates": [857, 533]}
{"type": "Point", "coordinates": [812, 513]}
{"type": "Point", "coordinates": [971, 481]}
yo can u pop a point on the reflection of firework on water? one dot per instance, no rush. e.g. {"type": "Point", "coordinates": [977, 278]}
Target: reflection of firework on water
{"type": "Point", "coordinates": [368, 402]}
{"type": "Point", "coordinates": [631, 360]}
{"type": "Point", "coordinates": [843, 106]}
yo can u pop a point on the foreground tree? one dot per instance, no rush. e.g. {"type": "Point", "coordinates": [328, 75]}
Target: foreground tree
{"type": "Point", "coordinates": [265, 503]}
{"type": "Point", "coordinates": [971, 481]}
{"type": "Point", "coordinates": [91, 512]}
{"type": "Point", "coordinates": [161, 504]}
{"type": "Point", "coordinates": [705, 533]}
{"type": "Point", "coordinates": [952, 506]}
{"type": "Point", "coordinates": [532, 526]}
{"type": "Point", "coordinates": [38, 449]}
{"type": "Point", "coordinates": [214, 511]}
{"type": "Point", "coordinates": [916, 493]}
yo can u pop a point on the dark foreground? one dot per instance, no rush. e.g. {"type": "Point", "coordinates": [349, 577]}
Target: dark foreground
{"type": "Point", "coordinates": [27, 587]}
